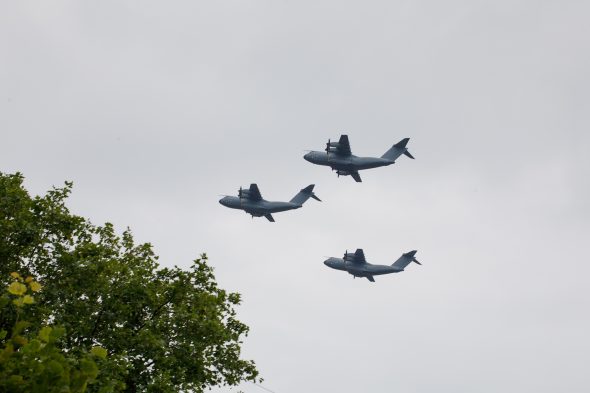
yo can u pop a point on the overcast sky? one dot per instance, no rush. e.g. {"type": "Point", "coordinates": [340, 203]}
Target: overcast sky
{"type": "Point", "coordinates": [155, 108]}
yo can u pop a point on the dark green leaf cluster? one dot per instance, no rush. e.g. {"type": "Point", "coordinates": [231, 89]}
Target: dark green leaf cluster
{"type": "Point", "coordinates": [165, 329]}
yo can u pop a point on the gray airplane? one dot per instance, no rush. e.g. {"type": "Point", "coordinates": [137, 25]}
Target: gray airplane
{"type": "Point", "coordinates": [357, 265]}
{"type": "Point", "coordinates": [339, 157]}
{"type": "Point", "coordinates": [251, 202]}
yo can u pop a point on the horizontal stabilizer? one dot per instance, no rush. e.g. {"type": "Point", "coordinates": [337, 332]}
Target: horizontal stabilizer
{"type": "Point", "coordinates": [269, 217]}
{"type": "Point", "coordinates": [407, 153]}
{"type": "Point", "coordinates": [370, 278]}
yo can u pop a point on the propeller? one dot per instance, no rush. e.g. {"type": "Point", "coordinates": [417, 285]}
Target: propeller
{"type": "Point", "coordinates": [328, 146]}
{"type": "Point", "coordinates": [240, 192]}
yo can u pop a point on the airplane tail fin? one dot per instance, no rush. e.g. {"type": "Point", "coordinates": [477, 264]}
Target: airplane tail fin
{"type": "Point", "coordinates": [397, 150]}
{"type": "Point", "coordinates": [303, 195]}
{"type": "Point", "coordinates": [406, 259]}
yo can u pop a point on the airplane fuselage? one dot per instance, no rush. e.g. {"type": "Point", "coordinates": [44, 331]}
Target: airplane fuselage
{"type": "Point", "coordinates": [257, 208]}
{"type": "Point", "coordinates": [360, 269]}
{"type": "Point", "coordinates": [346, 163]}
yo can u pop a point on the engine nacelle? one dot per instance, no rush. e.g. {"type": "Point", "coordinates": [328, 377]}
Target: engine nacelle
{"type": "Point", "coordinates": [332, 146]}
{"type": "Point", "coordinates": [342, 173]}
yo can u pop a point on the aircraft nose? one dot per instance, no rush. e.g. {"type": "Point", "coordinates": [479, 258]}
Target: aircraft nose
{"type": "Point", "coordinates": [223, 201]}
{"type": "Point", "coordinates": [307, 157]}
{"type": "Point", "coordinates": [327, 262]}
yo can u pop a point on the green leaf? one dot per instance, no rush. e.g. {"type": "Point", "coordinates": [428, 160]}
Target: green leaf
{"type": "Point", "coordinates": [89, 368]}
{"type": "Point", "coordinates": [44, 334]}
{"type": "Point", "coordinates": [19, 327]}
{"type": "Point", "coordinates": [56, 333]}
{"type": "Point", "coordinates": [33, 346]}
{"type": "Point", "coordinates": [35, 286]}
{"type": "Point", "coordinates": [54, 367]}
{"type": "Point", "coordinates": [28, 299]}
{"type": "Point", "coordinates": [17, 288]}
{"type": "Point", "coordinates": [16, 380]}
{"type": "Point", "coordinates": [20, 340]}
{"type": "Point", "coordinates": [99, 352]}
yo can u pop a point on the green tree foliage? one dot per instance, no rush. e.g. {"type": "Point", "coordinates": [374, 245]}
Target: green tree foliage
{"type": "Point", "coordinates": [33, 362]}
{"type": "Point", "coordinates": [165, 329]}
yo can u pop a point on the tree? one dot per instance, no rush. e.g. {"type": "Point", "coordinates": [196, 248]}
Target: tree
{"type": "Point", "coordinates": [165, 329]}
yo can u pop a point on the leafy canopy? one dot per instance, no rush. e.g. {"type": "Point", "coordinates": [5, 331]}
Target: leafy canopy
{"type": "Point", "coordinates": [33, 362]}
{"type": "Point", "coordinates": [164, 329]}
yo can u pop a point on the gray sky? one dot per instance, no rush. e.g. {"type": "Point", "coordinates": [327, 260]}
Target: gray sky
{"type": "Point", "coordinates": [155, 108]}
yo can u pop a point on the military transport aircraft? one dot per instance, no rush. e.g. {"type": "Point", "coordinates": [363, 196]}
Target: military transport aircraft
{"type": "Point", "coordinates": [338, 156]}
{"type": "Point", "coordinates": [251, 202]}
{"type": "Point", "coordinates": [357, 265]}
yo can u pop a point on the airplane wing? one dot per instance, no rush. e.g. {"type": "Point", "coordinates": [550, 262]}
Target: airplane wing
{"type": "Point", "coordinates": [254, 192]}
{"type": "Point", "coordinates": [359, 256]}
{"type": "Point", "coordinates": [344, 146]}
{"type": "Point", "coordinates": [269, 217]}
{"type": "Point", "coordinates": [370, 278]}
{"type": "Point", "coordinates": [355, 175]}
